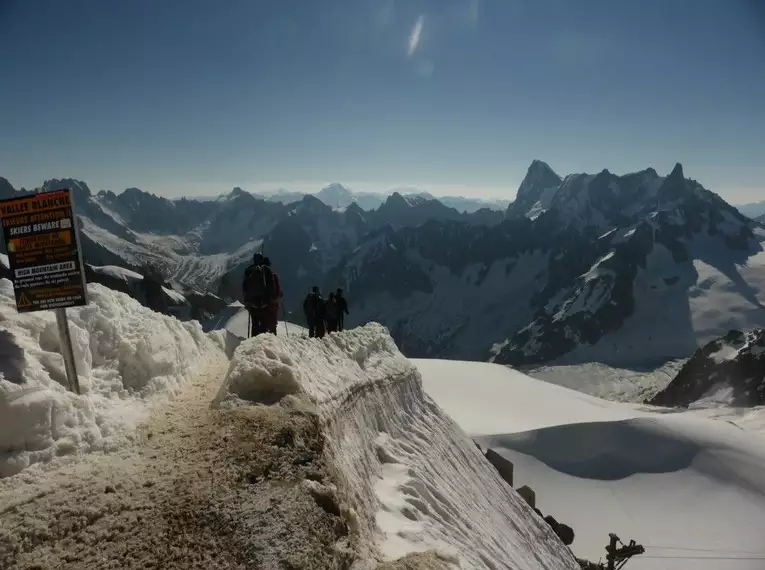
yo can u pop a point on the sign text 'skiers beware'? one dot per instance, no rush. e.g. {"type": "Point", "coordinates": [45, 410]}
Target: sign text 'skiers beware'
{"type": "Point", "coordinates": [46, 266]}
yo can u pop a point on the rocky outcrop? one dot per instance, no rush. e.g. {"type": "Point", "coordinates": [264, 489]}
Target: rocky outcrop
{"type": "Point", "coordinates": [728, 370]}
{"type": "Point", "coordinates": [505, 469]}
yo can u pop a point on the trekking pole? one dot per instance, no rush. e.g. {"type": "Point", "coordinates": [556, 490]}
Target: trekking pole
{"type": "Point", "coordinates": [284, 316]}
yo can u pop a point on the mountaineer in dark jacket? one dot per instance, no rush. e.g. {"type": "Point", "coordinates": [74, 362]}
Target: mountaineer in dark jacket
{"type": "Point", "coordinates": [342, 308]}
{"type": "Point", "coordinates": [259, 293]}
{"type": "Point", "coordinates": [315, 310]}
{"type": "Point", "coordinates": [273, 307]}
{"type": "Point", "coordinates": [332, 313]}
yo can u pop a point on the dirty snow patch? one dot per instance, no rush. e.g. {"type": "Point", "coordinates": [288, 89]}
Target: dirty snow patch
{"type": "Point", "coordinates": [127, 356]}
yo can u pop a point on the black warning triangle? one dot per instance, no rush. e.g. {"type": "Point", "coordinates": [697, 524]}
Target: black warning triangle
{"type": "Point", "coordinates": [23, 302]}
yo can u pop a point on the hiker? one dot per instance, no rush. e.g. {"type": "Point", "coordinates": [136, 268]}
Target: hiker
{"type": "Point", "coordinates": [259, 292]}
{"type": "Point", "coordinates": [315, 313]}
{"type": "Point", "coordinates": [332, 313]}
{"type": "Point", "coordinates": [342, 308]}
{"type": "Point", "coordinates": [273, 307]}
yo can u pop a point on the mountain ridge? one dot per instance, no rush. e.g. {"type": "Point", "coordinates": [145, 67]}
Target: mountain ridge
{"type": "Point", "coordinates": [566, 277]}
{"type": "Point", "coordinates": [564, 271]}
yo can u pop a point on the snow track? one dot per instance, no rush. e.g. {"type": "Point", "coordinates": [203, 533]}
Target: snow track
{"type": "Point", "coordinates": [410, 479]}
{"type": "Point", "coordinates": [127, 358]}
{"type": "Point", "coordinates": [198, 489]}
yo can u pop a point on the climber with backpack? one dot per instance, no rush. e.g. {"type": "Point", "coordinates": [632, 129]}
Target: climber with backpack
{"type": "Point", "coordinates": [259, 291]}
{"type": "Point", "coordinates": [273, 307]}
{"type": "Point", "coordinates": [315, 311]}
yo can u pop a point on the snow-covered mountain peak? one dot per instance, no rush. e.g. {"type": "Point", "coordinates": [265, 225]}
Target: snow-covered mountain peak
{"type": "Point", "coordinates": [336, 196]}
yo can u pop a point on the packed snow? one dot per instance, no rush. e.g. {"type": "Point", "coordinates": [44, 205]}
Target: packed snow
{"type": "Point", "coordinates": [411, 479]}
{"type": "Point", "coordinates": [127, 357]}
{"type": "Point", "coordinates": [121, 273]}
{"type": "Point", "coordinates": [235, 320]}
{"type": "Point", "coordinates": [685, 485]}
{"type": "Point", "coordinates": [4, 261]}
{"type": "Point", "coordinates": [174, 296]}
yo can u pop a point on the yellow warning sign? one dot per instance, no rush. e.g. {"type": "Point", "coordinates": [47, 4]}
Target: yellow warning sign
{"type": "Point", "coordinates": [24, 302]}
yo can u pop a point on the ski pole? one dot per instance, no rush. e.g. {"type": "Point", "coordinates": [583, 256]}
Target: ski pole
{"type": "Point", "coordinates": [249, 327]}
{"type": "Point", "coordinates": [284, 316]}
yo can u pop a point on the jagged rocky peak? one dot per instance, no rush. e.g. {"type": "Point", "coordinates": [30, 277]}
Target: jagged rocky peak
{"type": "Point", "coordinates": [535, 192]}
{"type": "Point", "coordinates": [396, 199]}
{"type": "Point", "coordinates": [677, 172]}
{"type": "Point", "coordinates": [354, 209]}
{"type": "Point", "coordinates": [6, 188]}
{"type": "Point", "coordinates": [137, 199]}
{"type": "Point", "coordinates": [354, 212]}
{"type": "Point", "coordinates": [538, 177]}
{"type": "Point", "coordinates": [240, 196]}
{"type": "Point", "coordinates": [310, 204]}
{"type": "Point", "coordinates": [79, 188]}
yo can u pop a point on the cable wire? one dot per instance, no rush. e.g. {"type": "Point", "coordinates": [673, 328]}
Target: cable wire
{"type": "Point", "coordinates": [702, 557]}
{"type": "Point", "coordinates": [694, 549]}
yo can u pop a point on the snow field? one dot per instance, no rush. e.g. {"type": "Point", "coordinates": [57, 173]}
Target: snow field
{"type": "Point", "coordinates": [409, 478]}
{"type": "Point", "coordinates": [126, 355]}
{"type": "Point", "coordinates": [688, 487]}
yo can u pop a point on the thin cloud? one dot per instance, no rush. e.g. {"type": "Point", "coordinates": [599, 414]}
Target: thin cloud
{"type": "Point", "coordinates": [414, 38]}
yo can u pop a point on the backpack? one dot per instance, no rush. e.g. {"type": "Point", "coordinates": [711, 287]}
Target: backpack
{"type": "Point", "coordinates": [258, 287]}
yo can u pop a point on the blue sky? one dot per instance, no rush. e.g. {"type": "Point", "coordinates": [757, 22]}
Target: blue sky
{"type": "Point", "coordinates": [457, 96]}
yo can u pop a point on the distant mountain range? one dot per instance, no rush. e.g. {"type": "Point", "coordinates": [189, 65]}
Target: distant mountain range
{"type": "Point", "coordinates": [620, 269]}
{"type": "Point", "coordinates": [339, 197]}
{"type": "Point", "coordinates": [195, 244]}
{"type": "Point", "coordinates": [755, 210]}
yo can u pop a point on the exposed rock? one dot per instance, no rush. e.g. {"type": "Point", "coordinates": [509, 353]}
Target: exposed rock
{"type": "Point", "coordinates": [731, 368]}
{"type": "Point", "coordinates": [503, 466]}
{"type": "Point", "coordinates": [528, 495]}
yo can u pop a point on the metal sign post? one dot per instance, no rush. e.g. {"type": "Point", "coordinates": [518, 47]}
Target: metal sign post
{"type": "Point", "coordinates": [67, 351]}
{"type": "Point", "coordinates": [42, 237]}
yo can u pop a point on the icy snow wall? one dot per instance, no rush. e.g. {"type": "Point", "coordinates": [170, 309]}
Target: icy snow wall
{"type": "Point", "coordinates": [409, 477]}
{"type": "Point", "coordinates": [126, 355]}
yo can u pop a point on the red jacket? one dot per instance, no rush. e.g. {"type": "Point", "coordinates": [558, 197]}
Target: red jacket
{"type": "Point", "coordinates": [277, 287]}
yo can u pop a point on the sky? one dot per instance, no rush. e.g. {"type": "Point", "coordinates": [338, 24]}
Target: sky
{"type": "Point", "coordinates": [193, 97]}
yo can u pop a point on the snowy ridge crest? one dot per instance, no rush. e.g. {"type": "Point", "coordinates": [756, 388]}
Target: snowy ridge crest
{"type": "Point", "coordinates": [411, 480]}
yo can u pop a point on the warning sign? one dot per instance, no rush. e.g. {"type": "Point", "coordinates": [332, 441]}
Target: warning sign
{"type": "Point", "coordinates": [24, 302]}
{"type": "Point", "coordinates": [41, 233]}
